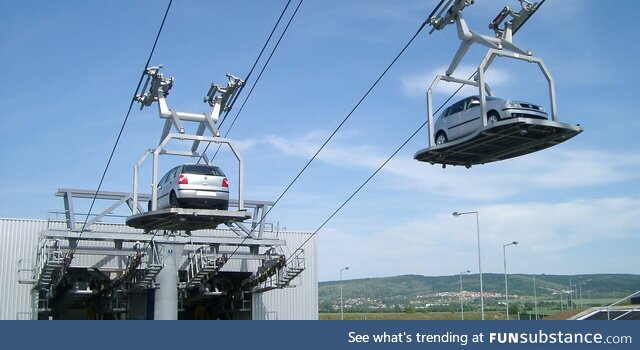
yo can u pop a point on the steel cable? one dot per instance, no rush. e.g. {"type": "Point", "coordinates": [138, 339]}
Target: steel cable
{"type": "Point", "coordinates": [233, 122]}
{"type": "Point", "coordinates": [373, 174]}
{"type": "Point", "coordinates": [335, 131]}
{"type": "Point", "coordinates": [124, 123]}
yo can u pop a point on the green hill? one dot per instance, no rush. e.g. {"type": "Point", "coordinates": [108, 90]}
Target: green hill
{"type": "Point", "coordinates": [414, 292]}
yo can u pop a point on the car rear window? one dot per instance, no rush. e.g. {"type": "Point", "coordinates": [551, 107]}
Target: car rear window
{"type": "Point", "coordinates": [203, 170]}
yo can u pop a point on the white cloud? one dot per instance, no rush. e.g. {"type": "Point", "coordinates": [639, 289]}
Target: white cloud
{"type": "Point", "coordinates": [440, 244]}
{"type": "Point", "coordinates": [417, 83]}
{"type": "Point", "coordinates": [549, 227]}
{"type": "Point", "coordinates": [548, 169]}
{"type": "Point", "coordinates": [307, 145]}
{"type": "Point", "coordinates": [553, 232]}
{"type": "Point", "coordinates": [245, 144]}
{"type": "Point", "coordinates": [304, 146]}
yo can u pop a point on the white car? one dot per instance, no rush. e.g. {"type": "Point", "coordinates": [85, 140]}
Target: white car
{"type": "Point", "coordinates": [464, 117]}
{"type": "Point", "coordinates": [197, 186]}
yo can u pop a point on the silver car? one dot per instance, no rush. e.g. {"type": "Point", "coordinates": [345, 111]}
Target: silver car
{"type": "Point", "coordinates": [464, 117]}
{"type": "Point", "coordinates": [197, 186]}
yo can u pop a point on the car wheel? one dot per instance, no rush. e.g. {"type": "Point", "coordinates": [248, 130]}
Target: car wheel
{"type": "Point", "coordinates": [173, 200]}
{"type": "Point", "coordinates": [441, 138]}
{"type": "Point", "coordinates": [492, 118]}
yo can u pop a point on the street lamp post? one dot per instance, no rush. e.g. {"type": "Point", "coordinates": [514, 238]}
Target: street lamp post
{"type": "Point", "coordinates": [461, 300]}
{"type": "Point", "coordinates": [580, 289]}
{"type": "Point", "coordinates": [341, 300]}
{"type": "Point", "coordinates": [456, 214]}
{"type": "Point", "coordinates": [561, 301]}
{"type": "Point", "coordinates": [506, 286]}
{"type": "Point", "coordinates": [580, 286]}
{"type": "Point", "coordinates": [570, 294]}
{"type": "Point", "coordinates": [535, 296]}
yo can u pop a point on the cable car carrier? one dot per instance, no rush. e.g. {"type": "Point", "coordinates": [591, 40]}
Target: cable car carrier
{"type": "Point", "coordinates": [175, 218]}
{"type": "Point", "coordinates": [496, 138]}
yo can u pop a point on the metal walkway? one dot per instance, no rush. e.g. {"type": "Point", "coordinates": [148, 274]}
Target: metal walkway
{"type": "Point", "coordinates": [201, 266]}
{"type": "Point", "coordinates": [277, 273]}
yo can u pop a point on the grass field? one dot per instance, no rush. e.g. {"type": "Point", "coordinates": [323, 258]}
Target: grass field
{"type": "Point", "coordinates": [492, 315]}
{"type": "Point", "coordinates": [551, 308]}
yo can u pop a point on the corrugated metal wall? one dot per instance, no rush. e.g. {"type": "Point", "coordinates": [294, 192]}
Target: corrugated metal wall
{"type": "Point", "coordinates": [19, 240]}
{"type": "Point", "coordinates": [299, 302]}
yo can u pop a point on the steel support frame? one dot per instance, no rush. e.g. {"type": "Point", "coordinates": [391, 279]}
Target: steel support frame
{"type": "Point", "coordinates": [488, 60]}
{"type": "Point", "coordinates": [260, 208]}
{"type": "Point", "coordinates": [161, 150]}
{"type": "Point", "coordinates": [469, 37]}
{"type": "Point", "coordinates": [501, 46]}
{"type": "Point", "coordinates": [69, 210]}
{"type": "Point", "coordinates": [158, 91]}
{"type": "Point", "coordinates": [70, 216]}
{"type": "Point", "coordinates": [144, 238]}
{"type": "Point", "coordinates": [482, 86]}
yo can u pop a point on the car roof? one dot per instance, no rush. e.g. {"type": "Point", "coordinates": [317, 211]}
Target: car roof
{"type": "Point", "coordinates": [203, 165]}
{"type": "Point", "coordinates": [478, 96]}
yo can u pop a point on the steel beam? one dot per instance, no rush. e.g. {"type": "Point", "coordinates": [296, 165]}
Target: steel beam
{"type": "Point", "coordinates": [143, 237]}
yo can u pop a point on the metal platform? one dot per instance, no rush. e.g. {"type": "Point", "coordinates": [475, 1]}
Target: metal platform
{"type": "Point", "coordinates": [184, 219]}
{"type": "Point", "coordinates": [503, 140]}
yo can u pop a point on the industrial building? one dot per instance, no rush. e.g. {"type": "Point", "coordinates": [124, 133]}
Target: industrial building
{"type": "Point", "coordinates": [184, 259]}
{"type": "Point", "coordinates": [100, 282]}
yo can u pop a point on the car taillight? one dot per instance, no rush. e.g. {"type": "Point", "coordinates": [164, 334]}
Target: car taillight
{"type": "Point", "coordinates": [225, 182]}
{"type": "Point", "coordinates": [182, 180]}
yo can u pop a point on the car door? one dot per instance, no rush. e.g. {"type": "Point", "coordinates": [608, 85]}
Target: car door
{"type": "Point", "coordinates": [442, 122]}
{"type": "Point", "coordinates": [164, 188]}
{"type": "Point", "coordinates": [161, 195]}
{"type": "Point", "coordinates": [172, 181]}
{"type": "Point", "coordinates": [454, 121]}
{"type": "Point", "coordinates": [470, 117]}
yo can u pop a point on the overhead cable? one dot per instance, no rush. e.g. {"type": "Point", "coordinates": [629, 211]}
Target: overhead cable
{"type": "Point", "coordinates": [255, 63]}
{"type": "Point", "coordinates": [259, 75]}
{"type": "Point", "coordinates": [264, 46]}
{"type": "Point", "coordinates": [124, 123]}
{"type": "Point", "coordinates": [373, 174]}
{"type": "Point", "coordinates": [335, 131]}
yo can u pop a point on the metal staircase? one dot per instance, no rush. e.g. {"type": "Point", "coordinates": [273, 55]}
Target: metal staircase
{"type": "Point", "coordinates": [201, 266]}
{"type": "Point", "coordinates": [144, 278]}
{"type": "Point", "coordinates": [277, 273]}
{"type": "Point", "coordinates": [49, 264]}
{"type": "Point", "coordinates": [293, 268]}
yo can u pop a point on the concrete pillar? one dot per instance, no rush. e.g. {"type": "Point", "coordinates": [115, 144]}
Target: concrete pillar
{"type": "Point", "coordinates": [166, 296]}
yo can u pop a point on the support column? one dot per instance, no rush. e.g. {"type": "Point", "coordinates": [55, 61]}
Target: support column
{"type": "Point", "coordinates": [166, 296]}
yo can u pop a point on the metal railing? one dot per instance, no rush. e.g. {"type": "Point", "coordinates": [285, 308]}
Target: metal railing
{"type": "Point", "coordinates": [26, 271]}
{"type": "Point", "coordinates": [637, 308]}
{"type": "Point", "coordinates": [24, 316]}
{"type": "Point", "coordinates": [201, 266]}
{"type": "Point", "coordinates": [49, 260]}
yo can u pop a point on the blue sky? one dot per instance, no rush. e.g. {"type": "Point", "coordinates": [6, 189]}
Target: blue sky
{"type": "Point", "coordinates": [70, 69]}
